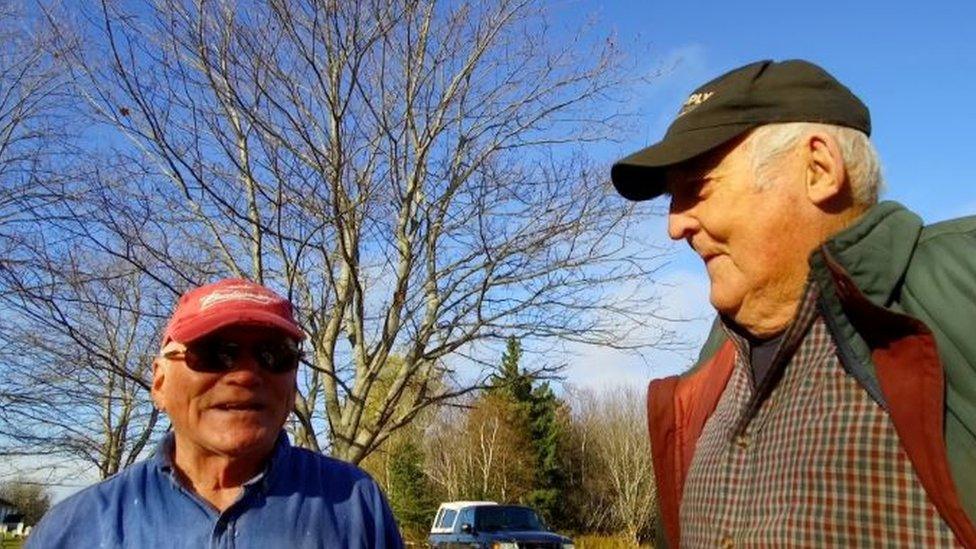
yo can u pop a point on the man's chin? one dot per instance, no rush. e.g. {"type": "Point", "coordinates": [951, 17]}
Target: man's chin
{"type": "Point", "coordinates": [725, 305]}
{"type": "Point", "coordinates": [245, 443]}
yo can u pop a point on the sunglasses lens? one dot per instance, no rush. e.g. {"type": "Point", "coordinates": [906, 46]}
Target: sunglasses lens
{"type": "Point", "coordinates": [212, 355]}
{"type": "Point", "coordinates": [277, 357]}
{"type": "Point", "coordinates": [216, 355]}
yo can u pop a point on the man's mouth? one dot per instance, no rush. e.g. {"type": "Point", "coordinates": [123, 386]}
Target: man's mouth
{"type": "Point", "coordinates": [239, 406]}
{"type": "Point", "coordinates": [705, 250]}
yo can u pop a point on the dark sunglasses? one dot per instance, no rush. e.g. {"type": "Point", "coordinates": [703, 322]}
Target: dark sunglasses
{"type": "Point", "coordinates": [216, 355]}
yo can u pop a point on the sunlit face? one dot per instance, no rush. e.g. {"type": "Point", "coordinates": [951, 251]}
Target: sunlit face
{"type": "Point", "coordinates": [748, 238]}
{"type": "Point", "coordinates": [236, 413]}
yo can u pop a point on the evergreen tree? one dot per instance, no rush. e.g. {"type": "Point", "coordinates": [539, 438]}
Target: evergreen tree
{"type": "Point", "coordinates": [411, 495]}
{"type": "Point", "coordinates": [538, 409]}
{"type": "Point", "coordinates": [510, 378]}
{"type": "Point", "coordinates": [546, 438]}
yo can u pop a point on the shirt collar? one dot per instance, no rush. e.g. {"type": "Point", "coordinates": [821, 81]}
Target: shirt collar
{"type": "Point", "coordinates": [163, 460]}
{"type": "Point", "coordinates": [790, 338]}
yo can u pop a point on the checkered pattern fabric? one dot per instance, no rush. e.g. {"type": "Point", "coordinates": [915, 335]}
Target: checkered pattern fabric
{"type": "Point", "coordinates": [817, 463]}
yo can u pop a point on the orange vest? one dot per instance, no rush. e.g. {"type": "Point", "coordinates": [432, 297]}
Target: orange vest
{"type": "Point", "coordinates": [911, 378]}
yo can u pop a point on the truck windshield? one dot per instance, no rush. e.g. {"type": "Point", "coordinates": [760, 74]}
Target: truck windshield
{"type": "Point", "coordinates": [501, 517]}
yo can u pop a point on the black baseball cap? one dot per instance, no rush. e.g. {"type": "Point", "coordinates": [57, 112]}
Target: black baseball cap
{"type": "Point", "coordinates": [760, 93]}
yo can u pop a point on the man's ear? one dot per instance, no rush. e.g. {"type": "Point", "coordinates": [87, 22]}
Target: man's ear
{"type": "Point", "coordinates": [826, 175]}
{"type": "Point", "coordinates": [159, 378]}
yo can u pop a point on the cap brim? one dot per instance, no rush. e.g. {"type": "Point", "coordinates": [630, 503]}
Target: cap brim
{"type": "Point", "coordinates": [203, 326]}
{"type": "Point", "coordinates": [640, 176]}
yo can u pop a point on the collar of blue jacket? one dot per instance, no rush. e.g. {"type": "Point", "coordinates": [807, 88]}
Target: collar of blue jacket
{"type": "Point", "coordinates": [301, 499]}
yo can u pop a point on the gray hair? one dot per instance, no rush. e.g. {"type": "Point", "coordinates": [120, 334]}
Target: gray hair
{"type": "Point", "coordinates": [768, 143]}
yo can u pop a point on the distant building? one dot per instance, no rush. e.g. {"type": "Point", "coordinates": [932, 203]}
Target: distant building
{"type": "Point", "coordinates": [12, 520]}
{"type": "Point", "coordinates": [8, 509]}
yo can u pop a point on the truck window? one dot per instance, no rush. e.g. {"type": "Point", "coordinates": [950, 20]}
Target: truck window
{"type": "Point", "coordinates": [466, 517]}
{"type": "Point", "coordinates": [502, 517]}
{"type": "Point", "coordinates": [447, 520]}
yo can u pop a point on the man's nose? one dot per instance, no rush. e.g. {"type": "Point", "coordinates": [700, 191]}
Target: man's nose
{"type": "Point", "coordinates": [681, 223]}
{"type": "Point", "coordinates": [246, 370]}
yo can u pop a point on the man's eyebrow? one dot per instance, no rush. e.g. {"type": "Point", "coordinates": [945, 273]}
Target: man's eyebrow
{"type": "Point", "coordinates": [681, 176]}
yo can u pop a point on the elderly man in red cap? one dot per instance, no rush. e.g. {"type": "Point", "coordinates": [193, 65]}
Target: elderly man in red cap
{"type": "Point", "coordinates": [835, 402]}
{"type": "Point", "coordinates": [226, 475]}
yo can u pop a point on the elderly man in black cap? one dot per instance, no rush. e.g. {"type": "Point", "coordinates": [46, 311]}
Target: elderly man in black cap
{"type": "Point", "coordinates": [834, 403]}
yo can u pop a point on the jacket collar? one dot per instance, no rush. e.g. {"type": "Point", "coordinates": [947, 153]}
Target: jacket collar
{"type": "Point", "coordinates": [874, 252]}
{"type": "Point", "coordinates": [162, 458]}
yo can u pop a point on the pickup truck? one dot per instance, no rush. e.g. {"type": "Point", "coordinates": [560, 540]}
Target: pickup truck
{"type": "Point", "coordinates": [488, 525]}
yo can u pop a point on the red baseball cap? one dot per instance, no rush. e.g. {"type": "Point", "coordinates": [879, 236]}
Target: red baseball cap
{"type": "Point", "coordinates": [229, 302]}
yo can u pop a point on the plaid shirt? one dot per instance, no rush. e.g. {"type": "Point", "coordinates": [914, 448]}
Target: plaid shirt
{"type": "Point", "coordinates": [807, 459]}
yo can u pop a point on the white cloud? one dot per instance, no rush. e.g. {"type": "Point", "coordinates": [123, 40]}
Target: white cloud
{"type": "Point", "coordinates": [684, 295]}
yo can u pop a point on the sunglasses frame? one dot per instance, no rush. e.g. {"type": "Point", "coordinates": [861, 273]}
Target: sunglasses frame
{"type": "Point", "coordinates": [203, 356]}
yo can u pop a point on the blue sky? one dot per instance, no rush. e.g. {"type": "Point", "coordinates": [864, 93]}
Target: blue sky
{"type": "Point", "coordinates": [913, 64]}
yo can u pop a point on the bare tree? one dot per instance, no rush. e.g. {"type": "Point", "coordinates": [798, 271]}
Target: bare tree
{"type": "Point", "coordinates": [447, 467]}
{"type": "Point", "coordinates": [76, 361]}
{"type": "Point", "coordinates": [412, 174]}
{"type": "Point", "coordinates": [500, 450]}
{"type": "Point", "coordinates": [31, 94]}
{"type": "Point", "coordinates": [617, 477]}
{"type": "Point", "coordinates": [70, 370]}
{"type": "Point", "coordinates": [481, 451]}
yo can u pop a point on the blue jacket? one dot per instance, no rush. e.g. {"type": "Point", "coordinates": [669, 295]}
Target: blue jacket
{"type": "Point", "coordinates": [303, 499]}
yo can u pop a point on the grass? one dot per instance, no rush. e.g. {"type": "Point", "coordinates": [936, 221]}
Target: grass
{"type": "Point", "coordinates": [11, 543]}
{"type": "Point", "coordinates": [593, 541]}
{"type": "Point", "coordinates": [589, 541]}
{"type": "Point", "coordinates": [581, 541]}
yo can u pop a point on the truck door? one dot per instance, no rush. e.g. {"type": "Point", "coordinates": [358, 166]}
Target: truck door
{"type": "Point", "coordinates": [466, 536]}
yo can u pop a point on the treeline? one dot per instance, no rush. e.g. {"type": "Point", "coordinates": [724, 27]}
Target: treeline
{"type": "Point", "coordinates": [31, 500]}
{"type": "Point", "coordinates": [581, 460]}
